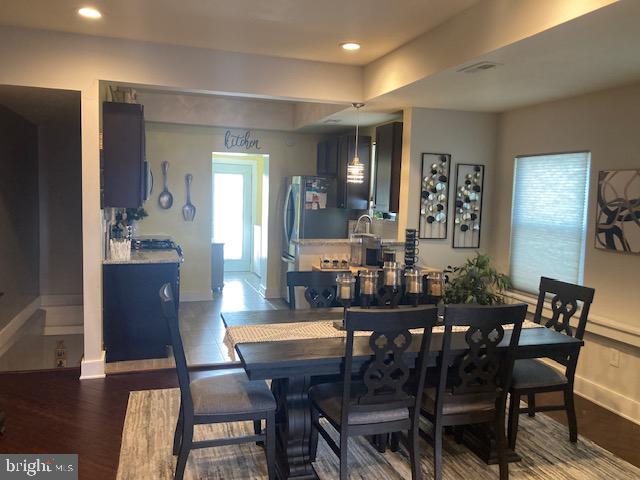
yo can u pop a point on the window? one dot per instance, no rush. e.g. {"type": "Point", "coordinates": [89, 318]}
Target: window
{"type": "Point", "coordinates": [548, 223]}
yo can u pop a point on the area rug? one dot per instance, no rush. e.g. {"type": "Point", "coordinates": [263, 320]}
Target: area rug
{"type": "Point", "coordinates": [542, 442]}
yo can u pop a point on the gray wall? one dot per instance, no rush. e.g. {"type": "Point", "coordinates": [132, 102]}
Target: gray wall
{"type": "Point", "coordinates": [60, 160]}
{"type": "Point", "coordinates": [19, 223]}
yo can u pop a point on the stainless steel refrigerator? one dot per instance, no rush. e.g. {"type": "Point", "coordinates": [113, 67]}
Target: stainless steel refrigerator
{"type": "Point", "coordinates": [309, 211]}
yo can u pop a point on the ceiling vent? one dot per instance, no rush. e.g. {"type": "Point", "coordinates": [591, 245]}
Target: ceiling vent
{"type": "Point", "coordinates": [479, 67]}
{"type": "Point", "coordinates": [331, 121]}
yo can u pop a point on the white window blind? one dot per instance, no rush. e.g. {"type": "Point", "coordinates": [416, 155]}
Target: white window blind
{"type": "Point", "coordinates": [548, 224]}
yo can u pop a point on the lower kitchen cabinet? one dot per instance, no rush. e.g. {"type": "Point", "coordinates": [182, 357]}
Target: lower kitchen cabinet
{"type": "Point", "coordinates": [133, 325]}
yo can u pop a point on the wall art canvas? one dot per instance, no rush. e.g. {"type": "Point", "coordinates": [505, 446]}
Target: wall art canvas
{"type": "Point", "coordinates": [618, 211]}
{"type": "Point", "coordinates": [468, 205]}
{"type": "Point", "coordinates": [434, 195]}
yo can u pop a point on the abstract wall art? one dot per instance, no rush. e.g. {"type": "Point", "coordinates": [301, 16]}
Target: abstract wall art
{"type": "Point", "coordinates": [434, 195]}
{"type": "Point", "coordinates": [468, 205]}
{"type": "Point", "coordinates": [618, 211]}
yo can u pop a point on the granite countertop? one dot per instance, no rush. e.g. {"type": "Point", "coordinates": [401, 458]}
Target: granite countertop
{"type": "Point", "coordinates": [343, 241]}
{"type": "Point", "coordinates": [147, 256]}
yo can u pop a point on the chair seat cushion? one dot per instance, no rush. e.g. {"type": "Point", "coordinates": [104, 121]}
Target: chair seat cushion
{"type": "Point", "coordinates": [328, 399]}
{"type": "Point", "coordinates": [230, 394]}
{"type": "Point", "coordinates": [459, 404]}
{"type": "Point", "coordinates": [530, 373]}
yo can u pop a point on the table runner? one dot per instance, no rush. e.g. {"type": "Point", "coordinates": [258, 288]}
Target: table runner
{"type": "Point", "coordinates": [275, 332]}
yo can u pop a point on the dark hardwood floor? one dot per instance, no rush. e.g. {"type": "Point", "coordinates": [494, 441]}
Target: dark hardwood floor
{"type": "Point", "coordinates": [54, 412]}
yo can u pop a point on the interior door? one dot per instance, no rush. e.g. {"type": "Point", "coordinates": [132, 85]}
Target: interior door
{"type": "Point", "coordinates": [233, 214]}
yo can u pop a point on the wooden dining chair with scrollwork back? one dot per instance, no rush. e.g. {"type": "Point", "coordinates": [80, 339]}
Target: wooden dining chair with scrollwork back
{"type": "Point", "coordinates": [531, 376]}
{"type": "Point", "coordinates": [474, 374]}
{"type": "Point", "coordinates": [380, 398]}
{"type": "Point", "coordinates": [208, 399]}
{"type": "Point", "coordinates": [320, 288]}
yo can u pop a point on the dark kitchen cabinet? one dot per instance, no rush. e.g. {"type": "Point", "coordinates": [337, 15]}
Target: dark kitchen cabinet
{"type": "Point", "coordinates": [133, 325]}
{"type": "Point", "coordinates": [334, 155]}
{"type": "Point", "coordinates": [124, 175]}
{"type": "Point", "coordinates": [388, 164]}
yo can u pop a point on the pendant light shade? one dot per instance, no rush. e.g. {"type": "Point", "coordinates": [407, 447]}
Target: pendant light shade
{"type": "Point", "coordinates": [355, 169]}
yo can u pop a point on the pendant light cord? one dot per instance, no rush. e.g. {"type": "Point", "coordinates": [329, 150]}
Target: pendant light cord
{"type": "Point", "coordinates": [357, 130]}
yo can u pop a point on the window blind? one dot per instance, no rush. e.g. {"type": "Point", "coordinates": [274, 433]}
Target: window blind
{"type": "Point", "coordinates": [548, 224]}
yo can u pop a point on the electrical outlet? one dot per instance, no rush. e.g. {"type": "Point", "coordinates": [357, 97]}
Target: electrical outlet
{"type": "Point", "coordinates": [614, 357]}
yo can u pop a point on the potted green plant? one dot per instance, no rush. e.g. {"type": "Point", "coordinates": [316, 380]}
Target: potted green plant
{"type": "Point", "coordinates": [476, 281]}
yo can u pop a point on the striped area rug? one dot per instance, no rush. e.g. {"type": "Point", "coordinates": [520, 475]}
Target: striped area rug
{"type": "Point", "coordinates": [542, 442]}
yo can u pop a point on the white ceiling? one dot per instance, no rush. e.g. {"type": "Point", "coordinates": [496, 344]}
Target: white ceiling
{"type": "Point", "coordinates": [304, 29]}
{"type": "Point", "coordinates": [592, 52]}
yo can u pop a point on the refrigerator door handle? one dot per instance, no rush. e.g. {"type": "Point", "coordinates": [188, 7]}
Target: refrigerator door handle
{"type": "Point", "coordinates": [287, 228]}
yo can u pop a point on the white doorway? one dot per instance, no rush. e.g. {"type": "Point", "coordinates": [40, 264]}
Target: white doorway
{"type": "Point", "coordinates": [237, 215]}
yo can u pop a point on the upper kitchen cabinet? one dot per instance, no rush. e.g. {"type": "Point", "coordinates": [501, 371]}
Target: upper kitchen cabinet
{"type": "Point", "coordinates": [388, 163]}
{"type": "Point", "coordinates": [123, 155]}
{"type": "Point", "coordinates": [334, 154]}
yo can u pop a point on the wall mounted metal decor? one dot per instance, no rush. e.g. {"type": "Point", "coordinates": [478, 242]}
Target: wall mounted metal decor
{"type": "Point", "coordinates": [189, 209]}
{"type": "Point", "coordinates": [618, 211]}
{"type": "Point", "coordinates": [468, 205]}
{"type": "Point", "coordinates": [242, 141]}
{"type": "Point", "coordinates": [165, 199]}
{"type": "Point", "coordinates": [434, 195]}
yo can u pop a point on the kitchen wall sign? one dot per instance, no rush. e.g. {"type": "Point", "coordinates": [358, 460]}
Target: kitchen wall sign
{"type": "Point", "coordinates": [434, 195]}
{"type": "Point", "coordinates": [240, 140]}
{"type": "Point", "coordinates": [468, 205]}
{"type": "Point", "coordinates": [618, 212]}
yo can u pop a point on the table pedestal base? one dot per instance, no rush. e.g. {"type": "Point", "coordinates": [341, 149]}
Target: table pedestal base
{"type": "Point", "coordinates": [293, 428]}
{"type": "Point", "coordinates": [479, 439]}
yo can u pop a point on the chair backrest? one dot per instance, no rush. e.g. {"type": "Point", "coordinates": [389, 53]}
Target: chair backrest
{"type": "Point", "coordinates": [320, 288]}
{"type": "Point", "coordinates": [170, 314]}
{"type": "Point", "coordinates": [386, 374]}
{"type": "Point", "coordinates": [564, 305]}
{"type": "Point", "coordinates": [480, 367]}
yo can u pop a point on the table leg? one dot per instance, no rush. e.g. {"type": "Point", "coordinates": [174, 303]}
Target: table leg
{"type": "Point", "coordinates": [293, 432]}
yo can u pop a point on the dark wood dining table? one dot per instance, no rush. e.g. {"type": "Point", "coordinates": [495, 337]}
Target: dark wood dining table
{"type": "Point", "coordinates": [295, 365]}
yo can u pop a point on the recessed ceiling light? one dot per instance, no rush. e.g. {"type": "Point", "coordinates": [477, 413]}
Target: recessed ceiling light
{"type": "Point", "coordinates": [351, 46]}
{"type": "Point", "coordinates": [89, 12]}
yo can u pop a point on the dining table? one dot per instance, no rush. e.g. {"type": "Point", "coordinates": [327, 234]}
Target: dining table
{"type": "Point", "coordinates": [297, 349]}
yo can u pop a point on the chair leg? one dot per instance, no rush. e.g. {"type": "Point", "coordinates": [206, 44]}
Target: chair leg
{"type": "Point", "coordinates": [177, 436]}
{"type": "Point", "coordinates": [381, 441]}
{"type": "Point", "coordinates": [394, 444]}
{"type": "Point", "coordinates": [514, 416]}
{"type": "Point", "coordinates": [531, 404]}
{"type": "Point", "coordinates": [344, 451]}
{"type": "Point", "coordinates": [458, 433]}
{"type": "Point", "coordinates": [185, 448]}
{"type": "Point", "coordinates": [501, 444]}
{"type": "Point", "coordinates": [271, 445]}
{"type": "Point", "coordinates": [313, 441]}
{"type": "Point", "coordinates": [437, 450]}
{"type": "Point", "coordinates": [414, 452]}
{"type": "Point", "coordinates": [257, 429]}
{"type": "Point", "coordinates": [571, 415]}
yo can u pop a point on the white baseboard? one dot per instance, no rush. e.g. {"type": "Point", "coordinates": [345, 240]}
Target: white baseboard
{"type": "Point", "coordinates": [619, 404]}
{"type": "Point", "coordinates": [628, 408]}
{"type": "Point", "coordinates": [196, 296]}
{"type": "Point", "coordinates": [8, 333]}
{"type": "Point", "coordinates": [90, 369]}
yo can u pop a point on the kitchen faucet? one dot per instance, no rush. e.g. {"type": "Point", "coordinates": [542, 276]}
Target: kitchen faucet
{"type": "Point", "coordinates": [363, 217]}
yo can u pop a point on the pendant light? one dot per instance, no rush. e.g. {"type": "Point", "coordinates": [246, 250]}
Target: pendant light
{"type": "Point", "coordinates": [355, 169]}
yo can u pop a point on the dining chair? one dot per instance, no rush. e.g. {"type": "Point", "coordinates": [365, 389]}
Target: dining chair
{"type": "Point", "coordinates": [224, 398]}
{"type": "Point", "coordinates": [474, 374]}
{"type": "Point", "coordinates": [320, 288]}
{"type": "Point", "coordinates": [531, 376]}
{"type": "Point", "coordinates": [380, 398]}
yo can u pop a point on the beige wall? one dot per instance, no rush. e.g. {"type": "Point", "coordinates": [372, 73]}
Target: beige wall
{"type": "Point", "coordinates": [19, 251]}
{"type": "Point", "coordinates": [470, 138]}
{"type": "Point", "coordinates": [188, 149]}
{"type": "Point", "coordinates": [606, 124]}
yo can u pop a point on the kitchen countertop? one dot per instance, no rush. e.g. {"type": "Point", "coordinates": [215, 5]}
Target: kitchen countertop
{"type": "Point", "coordinates": [147, 256]}
{"type": "Point", "coordinates": [342, 241]}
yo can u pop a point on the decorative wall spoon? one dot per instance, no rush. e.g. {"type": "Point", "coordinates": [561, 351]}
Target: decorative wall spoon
{"type": "Point", "coordinates": [189, 210]}
{"type": "Point", "coordinates": [165, 200]}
